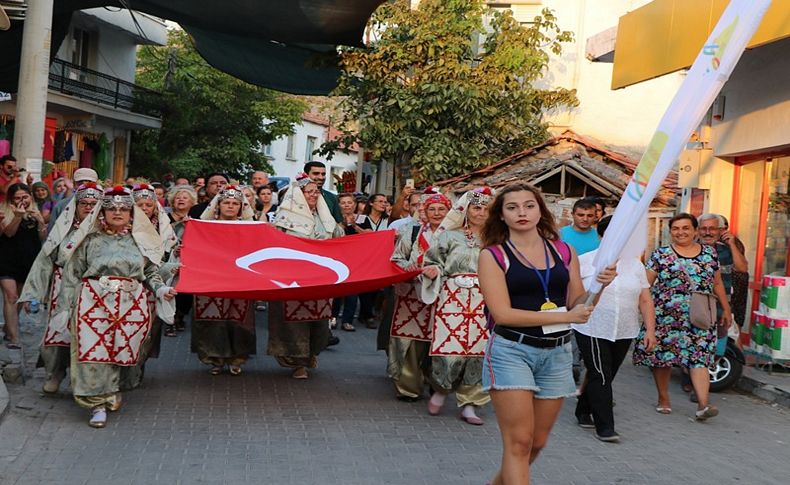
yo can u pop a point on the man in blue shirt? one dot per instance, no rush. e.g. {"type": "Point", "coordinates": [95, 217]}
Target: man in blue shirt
{"type": "Point", "coordinates": [581, 233]}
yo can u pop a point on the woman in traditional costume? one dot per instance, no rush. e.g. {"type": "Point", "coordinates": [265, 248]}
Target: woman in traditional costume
{"type": "Point", "coordinates": [146, 199]}
{"type": "Point", "coordinates": [45, 281]}
{"type": "Point", "coordinates": [111, 260]}
{"type": "Point", "coordinates": [223, 329]}
{"type": "Point", "coordinates": [299, 330]}
{"type": "Point", "coordinates": [459, 324]}
{"type": "Point", "coordinates": [181, 199]}
{"type": "Point", "coordinates": [412, 321]}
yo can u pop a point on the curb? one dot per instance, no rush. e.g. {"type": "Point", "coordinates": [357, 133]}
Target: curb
{"type": "Point", "coordinates": [767, 392]}
{"type": "Point", "coordinates": [3, 398]}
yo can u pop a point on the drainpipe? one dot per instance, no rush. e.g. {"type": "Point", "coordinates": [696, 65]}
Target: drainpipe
{"type": "Point", "coordinates": [31, 102]}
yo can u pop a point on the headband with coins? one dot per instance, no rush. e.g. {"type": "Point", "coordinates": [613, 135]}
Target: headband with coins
{"type": "Point", "coordinates": [88, 190]}
{"type": "Point", "coordinates": [231, 192]}
{"type": "Point", "coordinates": [118, 196]}
{"type": "Point", "coordinates": [143, 191]}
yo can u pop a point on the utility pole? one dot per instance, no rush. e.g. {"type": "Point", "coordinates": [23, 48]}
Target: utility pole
{"type": "Point", "coordinates": [31, 102]}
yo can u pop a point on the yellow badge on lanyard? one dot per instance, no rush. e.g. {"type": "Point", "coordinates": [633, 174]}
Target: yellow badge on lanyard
{"type": "Point", "coordinates": [549, 305]}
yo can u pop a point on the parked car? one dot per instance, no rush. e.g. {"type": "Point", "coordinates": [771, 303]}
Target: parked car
{"type": "Point", "coordinates": [279, 182]}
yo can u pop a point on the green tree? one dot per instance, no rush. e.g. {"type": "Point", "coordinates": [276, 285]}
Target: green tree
{"type": "Point", "coordinates": [448, 87]}
{"type": "Point", "coordinates": [211, 121]}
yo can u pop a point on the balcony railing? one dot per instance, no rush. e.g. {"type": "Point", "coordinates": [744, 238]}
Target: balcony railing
{"type": "Point", "coordinates": [74, 80]}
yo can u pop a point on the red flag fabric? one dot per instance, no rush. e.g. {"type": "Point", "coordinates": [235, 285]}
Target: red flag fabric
{"type": "Point", "coordinates": [255, 261]}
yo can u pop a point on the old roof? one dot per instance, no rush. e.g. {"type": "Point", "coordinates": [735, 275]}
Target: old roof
{"type": "Point", "coordinates": [597, 165]}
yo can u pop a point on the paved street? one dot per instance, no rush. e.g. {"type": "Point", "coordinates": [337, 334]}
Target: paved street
{"type": "Point", "coordinates": [344, 426]}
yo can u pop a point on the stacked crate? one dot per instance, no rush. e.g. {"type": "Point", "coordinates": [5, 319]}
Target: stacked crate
{"type": "Point", "coordinates": [770, 332]}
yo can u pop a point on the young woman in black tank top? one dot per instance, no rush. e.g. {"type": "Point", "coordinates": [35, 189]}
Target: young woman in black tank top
{"type": "Point", "coordinates": [533, 293]}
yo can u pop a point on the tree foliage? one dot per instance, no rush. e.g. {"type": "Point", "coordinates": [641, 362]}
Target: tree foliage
{"type": "Point", "coordinates": [211, 121]}
{"type": "Point", "coordinates": [432, 93]}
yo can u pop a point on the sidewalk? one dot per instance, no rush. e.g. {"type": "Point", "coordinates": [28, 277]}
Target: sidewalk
{"type": "Point", "coordinates": [773, 387]}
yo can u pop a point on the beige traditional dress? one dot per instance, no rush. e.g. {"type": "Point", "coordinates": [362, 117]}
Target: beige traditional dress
{"type": "Point", "coordinates": [105, 301]}
{"type": "Point", "coordinates": [132, 376]}
{"type": "Point", "coordinates": [412, 320]}
{"type": "Point", "coordinates": [44, 283]}
{"type": "Point", "coordinates": [459, 332]}
{"type": "Point", "coordinates": [299, 330]}
{"type": "Point", "coordinates": [459, 327]}
{"type": "Point", "coordinates": [223, 329]}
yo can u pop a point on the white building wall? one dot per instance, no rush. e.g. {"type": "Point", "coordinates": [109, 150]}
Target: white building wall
{"type": "Point", "coordinates": [286, 166]}
{"type": "Point", "coordinates": [625, 118]}
{"type": "Point", "coordinates": [116, 54]}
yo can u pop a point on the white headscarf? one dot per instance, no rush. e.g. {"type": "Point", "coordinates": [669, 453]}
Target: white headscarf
{"type": "Point", "coordinates": [212, 211]}
{"type": "Point", "coordinates": [456, 216]}
{"type": "Point", "coordinates": [293, 214]}
{"type": "Point", "coordinates": [145, 236]}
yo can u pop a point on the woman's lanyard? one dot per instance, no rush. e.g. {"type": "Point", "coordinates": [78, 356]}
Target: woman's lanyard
{"type": "Point", "coordinates": [543, 277]}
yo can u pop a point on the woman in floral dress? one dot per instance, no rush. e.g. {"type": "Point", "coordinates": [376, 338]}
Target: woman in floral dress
{"type": "Point", "coordinates": [674, 272]}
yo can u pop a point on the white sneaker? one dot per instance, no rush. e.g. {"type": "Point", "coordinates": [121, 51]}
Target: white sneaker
{"type": "Point", "coordinates": [98, 417]}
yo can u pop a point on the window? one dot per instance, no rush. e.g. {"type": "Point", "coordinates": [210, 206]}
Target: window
{"type": "Point", "coordinates": [267, 149]}
{"type": "Point", "coordinates": [80, 47]}
{"type": "Point", "coordinates": [289, 149]}
{"type": "Point", "coordinates": [309, 148]}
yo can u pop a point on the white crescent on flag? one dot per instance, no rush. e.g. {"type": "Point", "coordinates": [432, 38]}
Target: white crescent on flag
{"type": "Point", "coordinates": [339, 268]}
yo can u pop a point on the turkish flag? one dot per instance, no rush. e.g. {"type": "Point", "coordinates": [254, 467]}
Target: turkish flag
{"type": "Point", "coordinates": [255, 261]}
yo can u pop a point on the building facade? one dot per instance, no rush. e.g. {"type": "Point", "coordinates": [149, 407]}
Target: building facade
{"type": "Point", "coordinates": [738, 161]}
{"type": "Point", "coordinates": [288, 154]}
{"type": "Point", "coordinates": [92, 101]}
{"type": "Point", "coordinates": [623, 119]}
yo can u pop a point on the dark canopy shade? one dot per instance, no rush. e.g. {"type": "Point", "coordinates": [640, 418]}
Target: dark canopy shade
{"type": "Point", "coordinates": [288, 45]}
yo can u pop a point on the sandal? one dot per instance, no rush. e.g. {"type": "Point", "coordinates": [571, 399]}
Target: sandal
{"type": "Point", "coordinates": [300, 373]}
{"type": "Point", "coordinates": [706, 412]}
{"type": "Point", "coordinates": [349, 328]}
{"type": "Point", "coordinates": [116, 405]}
{"type": "Point", "coordinates": [98, 417]}
{"type": "Point", "coordinates": [663, 410]}
{"type": "Point", "coordinates": [215, 370]}
{"type": "Point", "coordinates": [170, 331]}
{"type": "Point", "coordinates": [234, 370]}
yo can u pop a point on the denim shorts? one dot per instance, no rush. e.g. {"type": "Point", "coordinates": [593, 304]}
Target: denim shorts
{"type": "Point", "coordinates": [509, 365]}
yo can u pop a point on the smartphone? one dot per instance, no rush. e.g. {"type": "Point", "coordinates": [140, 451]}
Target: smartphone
{"type": "Point", "coordinates": [410, 183]}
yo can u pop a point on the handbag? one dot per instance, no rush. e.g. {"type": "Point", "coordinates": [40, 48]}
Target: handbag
{"type": "Point", "coordinates": [702, 306]}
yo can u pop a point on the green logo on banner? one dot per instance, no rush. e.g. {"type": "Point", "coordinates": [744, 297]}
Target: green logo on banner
{"type": "Point", "coordinates": [636, 188]}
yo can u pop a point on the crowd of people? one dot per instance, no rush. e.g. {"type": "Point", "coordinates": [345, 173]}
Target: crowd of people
{"type": "Point", "coordinates": [498, 312]}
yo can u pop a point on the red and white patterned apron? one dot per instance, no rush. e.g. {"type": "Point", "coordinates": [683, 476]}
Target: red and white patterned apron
{"type": "Point", "coordinates": [412, 318]}
{"type": "Point", "coordinates": [307, 311]}
{"type": "Point", "coordinates": [113, 320]}
{"type": "Point", "coordinates": [221, 309]}
{"type": "Point", "coordinates": [459, 324]}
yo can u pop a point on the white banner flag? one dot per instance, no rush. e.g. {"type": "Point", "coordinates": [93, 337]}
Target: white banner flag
{"type": "Point", "coordinates": [707, 75]}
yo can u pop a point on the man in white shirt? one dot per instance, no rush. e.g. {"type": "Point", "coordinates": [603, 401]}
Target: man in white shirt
{"type": "Point", "coordinates": [606, 337]}
{"type": "Point", "coordinates": [413, 203]}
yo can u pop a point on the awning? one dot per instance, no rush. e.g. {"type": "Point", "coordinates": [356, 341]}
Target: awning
{"type": "Point", "coordinates": [665, 36]}
{"type": "Point", "coordinates": [288, 45]}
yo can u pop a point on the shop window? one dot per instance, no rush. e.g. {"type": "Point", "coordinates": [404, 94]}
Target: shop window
{"type": "Point", "coordinates": [777, 223]}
